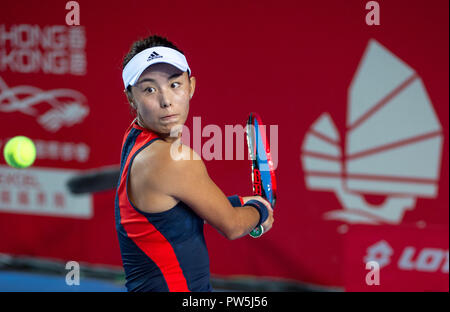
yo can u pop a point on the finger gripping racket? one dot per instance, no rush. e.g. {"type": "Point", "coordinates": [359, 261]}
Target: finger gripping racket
{"type": "Point", "coordinates": [263, 172]}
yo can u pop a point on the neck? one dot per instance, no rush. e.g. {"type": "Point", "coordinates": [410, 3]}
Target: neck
{"type": "Point", "coordinates": [169, 139]}
{"type": "Point", "coordinates": [164, 136]}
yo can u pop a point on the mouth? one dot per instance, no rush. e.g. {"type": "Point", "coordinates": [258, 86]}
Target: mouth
{"type": "Point", "coordinates": [170, 117]}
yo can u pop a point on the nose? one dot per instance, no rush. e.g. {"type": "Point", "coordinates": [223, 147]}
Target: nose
{"type": "Point", "coordinates": [164, 100]}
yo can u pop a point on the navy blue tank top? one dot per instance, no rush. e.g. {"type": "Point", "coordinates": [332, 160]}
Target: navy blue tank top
{"type": "Point", "coordinates": [163, 251]}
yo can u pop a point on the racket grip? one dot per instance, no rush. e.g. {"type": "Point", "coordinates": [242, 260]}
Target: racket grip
{"type": "Point", "coordinates": [257, 232]}
{"type": "Point", "coordinates": [237, 201]}
{"type": "Point", "coordinates": [262, 209]}
{"type": "Point", "coordinates": [263, 213]}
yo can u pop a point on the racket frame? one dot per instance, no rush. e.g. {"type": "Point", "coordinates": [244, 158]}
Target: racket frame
{"type": "Point", "coordinates": [252, 141]}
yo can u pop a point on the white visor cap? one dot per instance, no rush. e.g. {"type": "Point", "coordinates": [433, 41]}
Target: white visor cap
{"type": "Point", "coordinates": [150, 56]}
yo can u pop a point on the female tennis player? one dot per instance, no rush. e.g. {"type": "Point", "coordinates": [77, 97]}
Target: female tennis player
{"type": "Point", "coordinates": [162, 202]}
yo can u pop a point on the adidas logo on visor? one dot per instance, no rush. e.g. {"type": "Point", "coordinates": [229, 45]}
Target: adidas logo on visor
{"type": "Point", "coordinates": [153, 56]}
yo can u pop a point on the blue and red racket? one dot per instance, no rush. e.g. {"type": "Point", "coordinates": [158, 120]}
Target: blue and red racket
{"type": "Point", "coordinates": [263, 172]}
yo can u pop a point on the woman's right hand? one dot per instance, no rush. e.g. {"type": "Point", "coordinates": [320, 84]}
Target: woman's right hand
{"type": "Point", "coordinates": [267, 225]}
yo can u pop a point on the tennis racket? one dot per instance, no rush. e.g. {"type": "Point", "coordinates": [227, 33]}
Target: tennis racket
{"type": "Point", "coordinates": [263, 173]}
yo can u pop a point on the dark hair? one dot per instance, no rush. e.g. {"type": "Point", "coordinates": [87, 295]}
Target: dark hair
{"type": "Point", "coordinates": [149, 42]}
{"type": "Point", "coordinates": [142, 44]}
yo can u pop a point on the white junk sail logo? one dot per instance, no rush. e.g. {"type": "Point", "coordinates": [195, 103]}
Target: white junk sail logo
{"type": "Point", "coordinates": [66, 105]}
{"type": "Point", "coordinates": [392, 145]}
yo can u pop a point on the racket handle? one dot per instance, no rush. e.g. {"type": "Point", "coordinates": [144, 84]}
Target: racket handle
{"type": "Point", "coordinates": [257, 232]}
{"type": "Point", "coordinates": [263, 213]}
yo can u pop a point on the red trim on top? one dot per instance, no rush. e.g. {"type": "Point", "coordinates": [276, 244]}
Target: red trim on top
{"type": "Point", "coordinates": [143, 233]}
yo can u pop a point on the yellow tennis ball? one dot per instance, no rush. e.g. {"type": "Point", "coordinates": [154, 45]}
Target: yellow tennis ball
{"type": "Point", "coordinates": [20, 152]}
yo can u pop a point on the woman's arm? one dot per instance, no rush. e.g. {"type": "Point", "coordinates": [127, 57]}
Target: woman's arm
{"type": "Point", "coordinates": [188, 181]}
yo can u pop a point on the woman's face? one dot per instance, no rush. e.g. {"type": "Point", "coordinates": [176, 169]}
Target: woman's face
{"type": "Point", "coordinates": [161, 97]}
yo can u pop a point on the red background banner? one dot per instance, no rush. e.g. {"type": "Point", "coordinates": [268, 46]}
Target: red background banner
{"type": "Point", "coordinates": [290, 61]}
{"type": "Point", "coordinates": [409, 259]}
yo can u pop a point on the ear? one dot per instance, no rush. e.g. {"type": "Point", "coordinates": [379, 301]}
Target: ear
{"type": "Point", "coordinates": [192, 86]}
{"type": "Point", "coordinates": [130, 98]}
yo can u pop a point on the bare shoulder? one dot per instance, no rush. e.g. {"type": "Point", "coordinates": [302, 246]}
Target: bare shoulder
{"type": "Point", "coordinates": [162, 165]}
{"type": "Point", "coordinates": [149, 181]}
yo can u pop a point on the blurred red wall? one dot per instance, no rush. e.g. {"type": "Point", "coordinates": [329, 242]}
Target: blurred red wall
{"type": "Point", "coordinates": [290, 61]}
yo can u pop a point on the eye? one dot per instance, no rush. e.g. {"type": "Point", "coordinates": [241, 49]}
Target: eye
{"type": "Point", "coordinates": [175, 84]}
{"type": "Point", "coordinates": [150, 90]}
